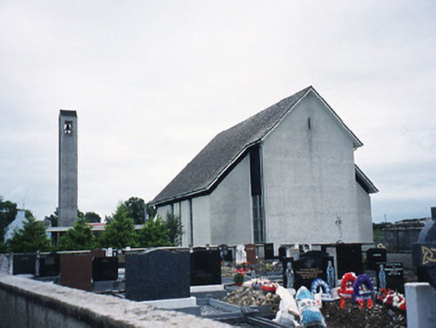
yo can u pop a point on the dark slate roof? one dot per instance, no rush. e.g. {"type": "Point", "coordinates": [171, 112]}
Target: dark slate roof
{"type": "Point", "coordinates": [203, 172]}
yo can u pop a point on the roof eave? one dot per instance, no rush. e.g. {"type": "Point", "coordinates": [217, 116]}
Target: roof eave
{"type": "Point", "coordinates": [372, 189]}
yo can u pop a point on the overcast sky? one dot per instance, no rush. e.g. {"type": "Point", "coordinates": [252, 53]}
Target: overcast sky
{"type": "Point", "coordinates": [154, 81]}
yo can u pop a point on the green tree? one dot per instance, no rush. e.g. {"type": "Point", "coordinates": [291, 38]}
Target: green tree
{"type": "Point", "coordinates": [377, 229]}
{"type": "Point", "coordinates": [2, 248]}
{"type": "Point", "coordinates": [30, 238]}
{"type": "Point", "coordinates": [79, 237]}
{"type": "Point", "coordinates": [120, 231]}
{"type": "Point", "coordinates": [154, 233]}
{"type": "Point", "coordinates": [92, 217]}
{"type": "Point", "coordinates": [136, 208]}
{"type": "Point", "coordinates": [53, 218]}
{"type": "Point", "coordinates": [175, 229]}
{"type": "Point", "coordinates": [151, 210]}
{"type": "Point", "coordinates": [8, 211]}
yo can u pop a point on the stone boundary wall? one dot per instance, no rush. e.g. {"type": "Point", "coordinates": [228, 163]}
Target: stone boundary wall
{"type": "Point", "coordinates": [29, 303]}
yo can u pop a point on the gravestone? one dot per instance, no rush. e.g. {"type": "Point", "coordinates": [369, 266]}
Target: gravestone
{"type": "Point", "coordinates": [311, 265]}
{"type": "Point", "coordinates": [98, 252]}
{"type": "Point", "coordinates": [374, 256]}
{"type": "Point", "coordinates": [250, 249]}
{"type": "Point", "coordinates": [104, 268]}
{"type": "Point", "coordinates": [49, 265]}
{"type": "Point", "coordinates": [424, 251]}
{"type": "Point", "coordinates": [205, 267]}
{"type": "Point", "coordinates": [241, 255]}
{"type": "Point", "coordinates": [224, 251]}
{"type": "Point", "coordinates": [282, 252]}
{"type": "Point", "coordinates": [157, 274]}
{"type": "Point", "coordinates": [349, 259]}
{"type": "Point", "coordinates": [230, 255]}
{"type": "Point", "coordinates": [390, 275]}
{"type": "Point", "coordinates": [24, 263]}
{"type": "Point", "coordinates": [5, 264]}
{"type": "Point", "coordinates": [269, 251]}
{"type": "Point", "coordinates": [76, 271]}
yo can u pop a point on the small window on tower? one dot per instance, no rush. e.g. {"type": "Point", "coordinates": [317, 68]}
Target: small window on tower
{"type": "Point", "coordinates": [68, 127]}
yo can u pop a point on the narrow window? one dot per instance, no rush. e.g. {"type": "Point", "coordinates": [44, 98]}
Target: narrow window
{"type": "Point", "coordinates": [256, 196]}
{"type": "Point", "coordinates": [191, 223]}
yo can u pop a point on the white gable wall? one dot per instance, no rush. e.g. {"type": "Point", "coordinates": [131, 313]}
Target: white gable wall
{"type": "Point", "coordinates": [309, 178]}
{"type": "Point", "coordinates": [231, 207]}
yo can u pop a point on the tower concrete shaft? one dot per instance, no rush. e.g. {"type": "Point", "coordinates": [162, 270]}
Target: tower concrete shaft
{"type": "Point", "coordinates": [68, 168]}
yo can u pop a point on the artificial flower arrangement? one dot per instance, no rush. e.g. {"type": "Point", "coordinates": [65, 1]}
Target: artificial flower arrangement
{"type": "Point", "coordinates": [262, 283]}
{"type": "Point", "coordinates": [392, 299]}
{"type": "Point", "coordinates": [238, 277]}
{"type": "Point", "coordinates": [245, 266]}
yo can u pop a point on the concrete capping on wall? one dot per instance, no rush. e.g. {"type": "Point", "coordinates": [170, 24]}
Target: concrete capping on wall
{"type": "Point", "coordinates": [29, 303]}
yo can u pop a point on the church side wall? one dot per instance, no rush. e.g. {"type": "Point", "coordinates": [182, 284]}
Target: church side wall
{"type": "Point", "coordinates": [309, 178]}
{"type": "Point", "coordinates": [201, 220]}
{"type": "Point", "coordinates": [231, 207]}
{"type": "Point", "coordinates": [186, 222]}
{"type": "Point", "coordinates": [364, 223]}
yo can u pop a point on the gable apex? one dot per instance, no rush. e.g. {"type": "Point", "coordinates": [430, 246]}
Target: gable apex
{"type": "Point", "coordinates": [227, 148]}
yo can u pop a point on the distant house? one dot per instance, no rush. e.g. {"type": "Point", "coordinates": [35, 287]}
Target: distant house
{"type": "Point", "coordinates": [16, 225]}
{"type": "Point", "coordinates": [284, 175]}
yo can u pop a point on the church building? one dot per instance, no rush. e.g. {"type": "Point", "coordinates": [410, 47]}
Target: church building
{"type": "Point", "coordinates": [285, 175]}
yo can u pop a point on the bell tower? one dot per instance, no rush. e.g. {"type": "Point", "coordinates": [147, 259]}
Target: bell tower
{"type": "Point", "coordinates": [67, 207]}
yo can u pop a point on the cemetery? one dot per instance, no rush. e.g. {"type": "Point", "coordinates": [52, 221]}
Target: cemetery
{"type": "Point", "coordinates": [242, 285]}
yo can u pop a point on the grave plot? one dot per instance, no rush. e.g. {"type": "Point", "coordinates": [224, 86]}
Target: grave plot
{"type": "Point", "coordinates": [76, 271]}
{"type": "Point", "coordinates": [205, 267]}
{"type": "Point", "coordinates": [157, 274]}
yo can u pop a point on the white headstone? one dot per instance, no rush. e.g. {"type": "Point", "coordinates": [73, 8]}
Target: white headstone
{"type": "Point", "coordinates": [241, 255]}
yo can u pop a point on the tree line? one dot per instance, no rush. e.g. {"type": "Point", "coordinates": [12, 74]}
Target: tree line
{"type": "Point", "coordinates": [120, 230]}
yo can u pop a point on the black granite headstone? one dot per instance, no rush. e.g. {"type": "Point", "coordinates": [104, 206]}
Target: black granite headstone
{"type": "Point", "coordinates": [104, 268]}
{"type": "Point", "coordinates": [157, 274]}
{"type": "Point", "coordinates": [269, 251]}
{"type": "Point", "coordinates": [50, 265]}
{"type": "Point", "coordinates": [390, 275]}
{"type": "Point", "coordinates": [349, 258]}
{"type": "Point", "coordinates": [205, 267]}
{"type": "Point", "coordinates": [424, 252]}
{"type": "Point", "coordinates": [374, 256]}
{"type": "Point", "coordinates": [282, 252]}
{"type": "Point", "coordinates": [24, 263]}
{"type": "Point", "coordinates": [311, 265]}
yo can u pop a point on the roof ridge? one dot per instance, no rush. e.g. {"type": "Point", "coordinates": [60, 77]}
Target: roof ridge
{"type": "Point", "coordinates": [225, 148]}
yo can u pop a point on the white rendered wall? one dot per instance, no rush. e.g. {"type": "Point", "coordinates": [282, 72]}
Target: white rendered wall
{"type": "Point", "coordinates": [231, 207]}
{"type": "Point", "coordinates": [364, 214]}
{"type": "Point", "coordinates": [309, 178]}
{"type": "Point", "coordinates": [182, 209]}
{"type": "Point", "coordinates": [185, 213]}
{"type": "Point", "coordinates": [163, 210]}
{"type": "Point", "coordinates": [201, 220]}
